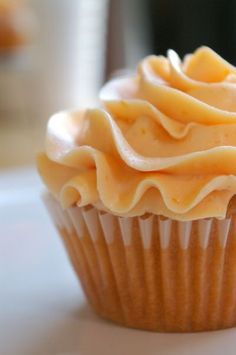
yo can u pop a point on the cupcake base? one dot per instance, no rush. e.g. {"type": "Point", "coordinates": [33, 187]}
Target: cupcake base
{"type": "Point", "coordinates": [153, 273]}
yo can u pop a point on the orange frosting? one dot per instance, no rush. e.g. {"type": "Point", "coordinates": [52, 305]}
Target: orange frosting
{"type": "Point", "coordinates": [163, 142]}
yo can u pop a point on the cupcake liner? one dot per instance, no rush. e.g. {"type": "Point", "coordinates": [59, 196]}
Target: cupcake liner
{"type": "Point", "coordinates": [152, 273]}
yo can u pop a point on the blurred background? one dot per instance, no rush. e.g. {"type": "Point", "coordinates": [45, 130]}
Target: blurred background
{"type": "Point", "coordinates": [56, 54]}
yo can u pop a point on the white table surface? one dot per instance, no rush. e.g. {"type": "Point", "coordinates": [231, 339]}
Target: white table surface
{"type": "Point", "coordinates": [42, 308]}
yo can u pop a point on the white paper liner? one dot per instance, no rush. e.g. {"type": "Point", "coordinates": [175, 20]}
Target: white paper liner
{"type": "Point", "coordinates": [153, 273]}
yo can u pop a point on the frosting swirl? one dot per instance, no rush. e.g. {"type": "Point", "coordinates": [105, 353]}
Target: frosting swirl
{"type": "Point", "coordinates": [163, 142]}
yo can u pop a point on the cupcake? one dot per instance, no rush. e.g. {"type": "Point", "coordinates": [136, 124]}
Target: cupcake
{"type": "Point", "coordinates": [141, 190]}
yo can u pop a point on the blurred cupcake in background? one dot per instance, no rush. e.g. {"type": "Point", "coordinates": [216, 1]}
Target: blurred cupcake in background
{"type": "Point", "coordinates": [16, 25]}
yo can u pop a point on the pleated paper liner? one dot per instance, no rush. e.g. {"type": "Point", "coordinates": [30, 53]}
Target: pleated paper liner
{"type": "Point", "coordinates": [153, 273]}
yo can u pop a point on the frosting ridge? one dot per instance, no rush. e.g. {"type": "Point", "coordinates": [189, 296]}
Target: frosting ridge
{"type": "Point", "coordinates": [162, 142]}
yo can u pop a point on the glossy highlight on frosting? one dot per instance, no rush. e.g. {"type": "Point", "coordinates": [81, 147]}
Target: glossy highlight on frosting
{"type": "Point", "coordinates": [163, 142]}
